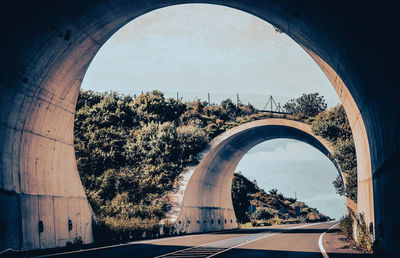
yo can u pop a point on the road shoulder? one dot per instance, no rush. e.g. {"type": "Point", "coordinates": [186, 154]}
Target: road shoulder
{"type": "Point", "coordinates": [336, 244]}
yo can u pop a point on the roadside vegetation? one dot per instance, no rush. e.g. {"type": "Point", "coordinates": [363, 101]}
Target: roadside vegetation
{"type": "Point", "coordinates": [131, 150]}
{"type": "Point", "coordinates": [361, 237]}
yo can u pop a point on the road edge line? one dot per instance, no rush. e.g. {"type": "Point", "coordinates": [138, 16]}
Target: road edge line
{"type": "Point", "coordinates": [289, 229]}
{"type": "Point", "coordinates": [321, 246]}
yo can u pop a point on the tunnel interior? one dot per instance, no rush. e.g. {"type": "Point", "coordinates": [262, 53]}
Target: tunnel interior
{"type": "Point", "coordinates": [49, 46]}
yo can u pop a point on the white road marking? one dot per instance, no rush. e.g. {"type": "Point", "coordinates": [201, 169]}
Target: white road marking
{"type": "Point", "coordinates": [321, 247]}
{"type": "Point", "coordinates": [177, 237]}
{"type": "Point", "coordinates": [263, 235]}
{"type": "Point", "coordinates": [117, 245]}
{"type": "Point", "coordinates": [285, 230]}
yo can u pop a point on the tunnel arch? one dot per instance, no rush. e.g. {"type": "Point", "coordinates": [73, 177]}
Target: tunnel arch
{"type": "Point", "coordinates": [49, 46]}
{"type": "Point", "coordinates": [207, 197]}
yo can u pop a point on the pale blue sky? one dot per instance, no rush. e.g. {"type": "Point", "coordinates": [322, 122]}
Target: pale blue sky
{"type": "Point", "coordinates": [196, 49]}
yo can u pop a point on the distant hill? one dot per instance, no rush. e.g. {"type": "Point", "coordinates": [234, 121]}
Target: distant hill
{"type": "Point", "coordinates": [254, 204]}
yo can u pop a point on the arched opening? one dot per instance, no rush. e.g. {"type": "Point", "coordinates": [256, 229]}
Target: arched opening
{"type": "Point", "coordinates": [50, 47]}
{"type": "Point", "coordinates": [298, 171]}
{"type": "Point", "coordinates": [208, 193]}
{"type": "Point", "coordinates": [252, 59]}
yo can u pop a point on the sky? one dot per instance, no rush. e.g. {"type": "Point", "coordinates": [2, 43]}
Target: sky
{"type": "Point", "coordinates": [196, 49]}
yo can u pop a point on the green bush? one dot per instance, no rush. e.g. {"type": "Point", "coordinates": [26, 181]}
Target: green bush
{"type": "Point", "coordinates": [334, 126]}
{"type": "Point", "coordinates": [364, 239]}
{"type": "Point", "coordinates": [112, 229]}
{"type": "Point", "coordinates": [346, 226]}
{"type": "Point", "coordinates": [261, 213]}
{"type": "Point", "coordinates": [276, 221]}
{"type": "Point", "coordinates": [308, 105]}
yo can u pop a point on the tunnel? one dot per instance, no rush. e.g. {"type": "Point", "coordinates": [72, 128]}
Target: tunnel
{"type": "Point", "coordinates": [47, 47]}
{"type": "Point", "coordinates": [207, 201]}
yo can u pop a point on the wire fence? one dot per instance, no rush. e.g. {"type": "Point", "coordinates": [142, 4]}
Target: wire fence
{"type": "Point", "coordinates": [259, 101]}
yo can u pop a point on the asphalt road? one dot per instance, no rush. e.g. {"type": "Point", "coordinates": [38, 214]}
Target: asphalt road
{"type": "Point", "coordinates": [276, 241]}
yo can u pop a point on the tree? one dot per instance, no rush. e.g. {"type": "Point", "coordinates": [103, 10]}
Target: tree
{"type": "Point", "coordinates": [152, 106]}
{"type": "Point", "coordinates": [192, 139]}
{"type": "Point", "coordinates": [273, 191]}
{"type": "Point", "coordinates": [338, 184]}
{"type": "Point", "coordinates": [308, 105]}
{"type": "Point", "coordinates": [345, 154]}
{"type": "Point", "coordinates": [334, 126]}
{"type": "Point", "coordinates": [351, 185]}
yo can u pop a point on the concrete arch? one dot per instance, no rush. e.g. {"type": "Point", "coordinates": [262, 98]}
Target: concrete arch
{"type": "Point", "coordinates": [207, 203]}
{"type": "Point", "coordinates": [48, 47]}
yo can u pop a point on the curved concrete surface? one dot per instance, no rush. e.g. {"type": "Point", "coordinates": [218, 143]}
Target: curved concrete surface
{"type": "Point", "coordinates": [47, 47]}
{"type": "Point", "coordinates": [207, 203]}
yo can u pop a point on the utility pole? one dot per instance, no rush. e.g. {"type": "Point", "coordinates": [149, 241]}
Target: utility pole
{"type": "Point", "coordinates": [237, 100]}
{"type": "Point", "coordinates": [208, 96]}
{"type": "Point", "coordinates": [271, 103]}
{"type": "Point", "coordinates": [177, 96]}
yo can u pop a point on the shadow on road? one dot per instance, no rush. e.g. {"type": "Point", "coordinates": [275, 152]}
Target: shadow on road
{"type": "Point", "coordinates": [152, 250]}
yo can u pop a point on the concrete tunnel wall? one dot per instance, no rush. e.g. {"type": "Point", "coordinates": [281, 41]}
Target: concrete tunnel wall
{"type": "Point", "coordinates": [207, 202]}
{"type": "Point", "coordinates": [47, 47]}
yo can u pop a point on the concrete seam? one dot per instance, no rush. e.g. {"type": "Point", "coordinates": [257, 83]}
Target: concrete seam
{"type": "Point", "coordinates": [36, 134]}
{"type": "Point", "coordinates": [38, 97]}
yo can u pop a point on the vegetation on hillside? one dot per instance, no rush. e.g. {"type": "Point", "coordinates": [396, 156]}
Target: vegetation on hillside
{"type": "Point", "coordinates": [305, 106]}
{"type": "Point", "coordinates": [271, 207]}
{"type": "Point", "coordinates": [334, 126]}
{"type": "Point", "coordinates": [131, 150]}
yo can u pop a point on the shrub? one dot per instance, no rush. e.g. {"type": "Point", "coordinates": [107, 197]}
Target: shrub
{"type": "Point", "coordinates": [276, 220]}
{"type": "Point", "coordinates": [261, 213]}
{"type": "Point", "coordinates": [364, 238]}
{"type": "Point", "coordinates": [112, 229]}
{"type": "Point", "coordinates": [346, 226]}
{"type": "Point", "coordinates": [308, 105]}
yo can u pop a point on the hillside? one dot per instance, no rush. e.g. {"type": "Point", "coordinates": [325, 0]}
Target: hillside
{"type": "Point", "coordinates": [268, 208]}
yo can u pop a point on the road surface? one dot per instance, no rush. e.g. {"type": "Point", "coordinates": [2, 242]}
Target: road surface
{"type": "Point", "coordinates": [304, 240]}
